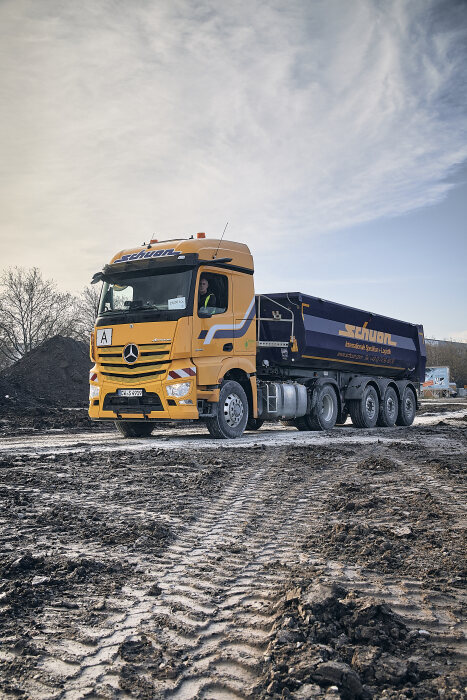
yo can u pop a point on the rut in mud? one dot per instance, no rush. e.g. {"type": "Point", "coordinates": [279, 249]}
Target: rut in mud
{"type": "Point", "coordinates": [265, 572]}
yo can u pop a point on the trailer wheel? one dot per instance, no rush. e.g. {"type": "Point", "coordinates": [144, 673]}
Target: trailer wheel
{"type": "Point", "coordinates": [254, 423]}
{"type": "Point", "coordinates": [388, 409]}
{"type": "Point", "coordinates": [134, 429]}
{"type": "Point", "coordinates": [232, 412]}
{"type": "Point", "coordinates": [325, 412]}
{"type": "Point", "coordinates": [407, 407]}
{"type": "Point", "coordinates": [364, 411]}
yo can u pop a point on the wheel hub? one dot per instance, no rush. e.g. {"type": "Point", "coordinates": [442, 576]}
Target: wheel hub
{"type": "Point", "coordinates": [327, 408]}
{"type": "Point", "coordinates": [370, 407]}
{"type": "Point", "coordinates": [233, 410]}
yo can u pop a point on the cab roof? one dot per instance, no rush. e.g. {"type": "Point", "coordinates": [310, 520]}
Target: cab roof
{"type": "Point", "coordinates": [206, 248]}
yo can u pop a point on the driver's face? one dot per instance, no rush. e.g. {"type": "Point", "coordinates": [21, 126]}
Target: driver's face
{"type": "Point", "coordinates": [203, 286]}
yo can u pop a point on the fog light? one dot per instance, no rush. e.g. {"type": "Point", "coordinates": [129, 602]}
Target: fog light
{"type": "Point", "coordinates": [179, 389]}
{"type": "Point", "coordinates": [186, 402]}
{"type": "Point", "coordinates": [93, 391]}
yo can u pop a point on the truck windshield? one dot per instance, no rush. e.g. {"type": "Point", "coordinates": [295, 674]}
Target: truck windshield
{"type": "Point", "coordinates": [165, 291]}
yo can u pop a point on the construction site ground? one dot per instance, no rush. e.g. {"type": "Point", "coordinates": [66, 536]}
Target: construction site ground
{"type": "Point", "coordinates": [283, 564]}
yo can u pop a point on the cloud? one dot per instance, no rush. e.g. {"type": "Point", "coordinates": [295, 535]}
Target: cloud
{"type": "Point", "coordinates": [125, 119]}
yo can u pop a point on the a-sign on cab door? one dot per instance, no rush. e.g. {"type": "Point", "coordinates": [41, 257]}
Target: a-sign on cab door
{"type": "Point", "coordinates": [212, 316]}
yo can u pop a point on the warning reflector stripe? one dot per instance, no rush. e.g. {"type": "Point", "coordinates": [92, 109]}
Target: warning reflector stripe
{"type": "Point", "coordinates": [182, 373]}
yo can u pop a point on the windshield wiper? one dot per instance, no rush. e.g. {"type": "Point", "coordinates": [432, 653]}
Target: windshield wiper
{"type": "Point", "coordinates": [143, 307]}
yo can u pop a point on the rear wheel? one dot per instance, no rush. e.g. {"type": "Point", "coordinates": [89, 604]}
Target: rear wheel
{"type": "Point", "coordinates": [388, 409]}
{"type": "Point", "coordinates": [232, 412]}
{"type": "Point", "coordinates": [134, 429]}
{"type": "Point", "coordinates": [407, 407]}
{"type": "Point", "coordinates": [254, 423]}
{"type": "Point", "coordinates": [324, 414]}
{"type": "Point", "coordinates": [364, 411]}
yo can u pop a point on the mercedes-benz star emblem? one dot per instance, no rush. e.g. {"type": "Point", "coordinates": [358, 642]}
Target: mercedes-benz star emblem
{"type": "Point", "coordinates": [130, 353]}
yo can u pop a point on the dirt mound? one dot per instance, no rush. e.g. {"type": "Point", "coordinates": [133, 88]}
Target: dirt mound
{"type": "Point", "coordinates": [331, 642]}
{"type": "Point", "coordinates": [11, 394]}
{"type": "Point", "coordinates": [55, 373]}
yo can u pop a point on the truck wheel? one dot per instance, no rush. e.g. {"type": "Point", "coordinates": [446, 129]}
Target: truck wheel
{"type": "Point", "coordinates": [232, 412]}
{"type": "Point", "coordinates": [407, 407]}
{"type": "Point", "coordinates": [254, 423]}
{"type": "Point", "coordinates": [364, 411]}
{"type": "Point", "coordinates": [324, 415]}
{"type": "Point", "coordinates": [325, 412]}
{"type": "Point", "coordinates": [134, 429]}
{"type": "Point", "coordinates": [388, 409]}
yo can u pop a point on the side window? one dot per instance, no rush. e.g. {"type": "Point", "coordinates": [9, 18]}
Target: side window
{"type": "Point", "coordinates": [213, 294]}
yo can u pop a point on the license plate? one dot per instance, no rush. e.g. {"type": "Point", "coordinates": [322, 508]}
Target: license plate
{"type": "Point", "coordinates": [130, 392]}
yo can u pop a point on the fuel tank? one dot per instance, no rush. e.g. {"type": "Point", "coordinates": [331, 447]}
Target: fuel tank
{"type": "Point", "coordinates": [297, 330]}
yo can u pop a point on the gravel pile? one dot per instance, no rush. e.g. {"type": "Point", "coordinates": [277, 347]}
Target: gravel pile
{"type": "Point", "coordinates": [55, 373]}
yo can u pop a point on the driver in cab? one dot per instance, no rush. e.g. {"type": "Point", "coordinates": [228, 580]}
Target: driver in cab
{"type": "Point", "coordinates": [206, 298]}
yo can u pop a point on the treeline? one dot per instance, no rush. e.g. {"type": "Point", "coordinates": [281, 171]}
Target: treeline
{"type": "Point", "coordinates": [32, 309]}
{"type": "Point", "coordinates": [444, 353]}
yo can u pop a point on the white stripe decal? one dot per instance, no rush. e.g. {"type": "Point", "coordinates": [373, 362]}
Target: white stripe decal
{"type": "Point", "coordinates": [228, 326]}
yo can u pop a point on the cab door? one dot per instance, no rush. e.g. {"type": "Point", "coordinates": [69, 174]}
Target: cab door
{"type": "Point", "coordinates": [213, 319]}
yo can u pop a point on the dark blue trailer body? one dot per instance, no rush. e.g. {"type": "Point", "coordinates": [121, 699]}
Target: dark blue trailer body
{"type": "Point", "coordinates": [297, 330]}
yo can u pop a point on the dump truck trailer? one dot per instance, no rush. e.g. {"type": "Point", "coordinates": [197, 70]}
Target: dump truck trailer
{"type": "Point", "coordinates": [181, 336]}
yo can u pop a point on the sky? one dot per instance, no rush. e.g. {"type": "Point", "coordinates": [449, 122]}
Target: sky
{"type": "Point", "coordinates": [330, 134]}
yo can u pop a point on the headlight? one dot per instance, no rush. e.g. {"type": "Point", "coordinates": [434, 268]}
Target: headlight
{"type": "Point", "coordinates": [93, 391]}
{"type": "Point", "coordinates": [179, 389]}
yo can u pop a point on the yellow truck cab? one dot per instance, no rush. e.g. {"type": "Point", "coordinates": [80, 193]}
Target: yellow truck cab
{"type": "Point", "coordinates": [175, 337]}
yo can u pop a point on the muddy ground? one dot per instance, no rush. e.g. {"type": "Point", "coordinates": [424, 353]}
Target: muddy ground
{"type": "Point", "coordinates": [282, 566]}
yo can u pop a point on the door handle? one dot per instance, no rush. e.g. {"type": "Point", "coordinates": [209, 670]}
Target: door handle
{"type": "Point", "coordinates": [228, 347]}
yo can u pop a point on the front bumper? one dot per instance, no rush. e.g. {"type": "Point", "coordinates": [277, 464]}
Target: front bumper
{"type": "Point", "coordinates": [152, 405]}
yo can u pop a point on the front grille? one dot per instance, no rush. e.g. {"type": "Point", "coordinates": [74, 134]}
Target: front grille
{"type": "Point", "coordinates": [153, 361]}
{"type": "Point", "coordinates": [146, 403]}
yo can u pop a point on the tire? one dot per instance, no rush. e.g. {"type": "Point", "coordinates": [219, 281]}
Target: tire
{"type": "Point", "coordinates": [324, 415]}
{"type": "Point", "coordinates": [254, 424]}
{"type": "Point", "coordinates": [134, 429]}
{"type": "Point", "coordinates": [407, 407]}
{"type": "Point", "coordinates": [325, 412]}
{"type": "Point", "coordinates": [232, 412]}
{"type": "Point", "coordinates": [388, 409]}
{"type": "Point", "coordinates": [364, 411]}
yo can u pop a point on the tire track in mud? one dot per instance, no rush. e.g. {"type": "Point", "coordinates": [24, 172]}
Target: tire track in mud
{"type": "Point", "coordinates": [440, 615]}
{"type": "Point", "coordinates": [214, 611]}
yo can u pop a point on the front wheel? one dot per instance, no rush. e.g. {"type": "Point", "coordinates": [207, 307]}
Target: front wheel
{"type": "Point", "coordinates": [134, 429]}
{"type": "Point", "coordinates": [407, 407]}
{"type": "Point", "coordinates": [232, 412]}
{"type": "Point", "coordinates": [364, 411]}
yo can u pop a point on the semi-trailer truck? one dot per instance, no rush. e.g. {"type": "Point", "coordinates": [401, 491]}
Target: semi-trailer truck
{"type": "Point", "coordinates": [180, 335]}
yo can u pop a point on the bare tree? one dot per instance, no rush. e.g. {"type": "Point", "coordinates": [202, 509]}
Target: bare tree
{"type": "Point", "coordinates": [87, 306]}
{"type": "Point", "coordinates": [31, 310]}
